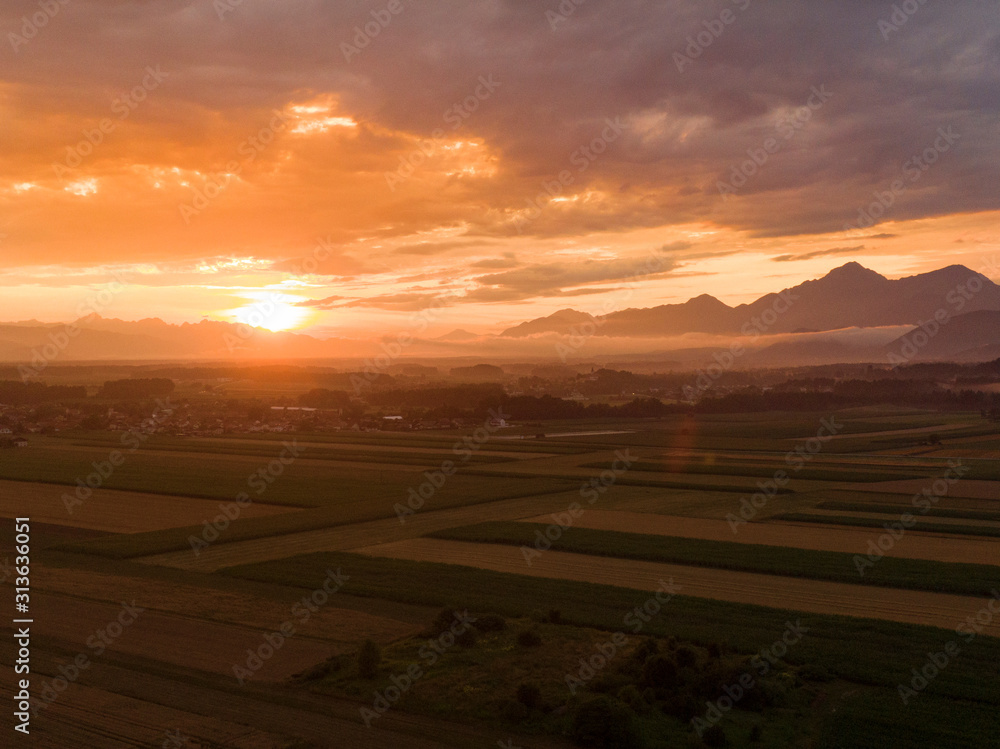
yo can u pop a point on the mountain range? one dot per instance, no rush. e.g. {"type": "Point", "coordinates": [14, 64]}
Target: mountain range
{"type": "Point", "coordinates": [852, 314]}
{"type": "Point", "coordinates": [850, 296]}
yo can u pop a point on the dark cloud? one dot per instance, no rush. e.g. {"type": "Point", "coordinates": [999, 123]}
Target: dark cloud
{"type": "Point", "coordinates": [818, 253]}
{"type": "Point", "coordinates": [685, 130]}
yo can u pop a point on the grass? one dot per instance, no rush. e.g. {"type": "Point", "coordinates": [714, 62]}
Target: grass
{"type": "Point", "coordinates": [860, 522]}
{"type": "Point", "coordinates": [877, 718]}
{"type": "Point", "coordinates": [766, 471]}
{"type": "Point", "coordinates": [893, 572]}
{"type": "Point", "coordinates": [899, 509]}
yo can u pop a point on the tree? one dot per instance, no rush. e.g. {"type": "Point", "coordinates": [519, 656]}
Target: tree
{"type": "Point", "coordinates": [369, 659]}
{"type": "Point", "coordinates": [604, 723]}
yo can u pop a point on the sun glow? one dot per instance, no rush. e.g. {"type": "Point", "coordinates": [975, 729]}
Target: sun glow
{"type": "Point", "coordinates": [273, 311]}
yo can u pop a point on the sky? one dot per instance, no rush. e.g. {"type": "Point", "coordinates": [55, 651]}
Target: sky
{"type": "Point", "coordinates": [355, 163]}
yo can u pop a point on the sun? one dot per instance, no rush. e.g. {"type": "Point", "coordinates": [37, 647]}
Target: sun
{"type": "Point", "coordinates": [273, 311]}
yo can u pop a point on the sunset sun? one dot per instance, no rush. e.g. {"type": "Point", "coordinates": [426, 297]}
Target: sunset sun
{"type": "Point", "coordinates": [274, 312]}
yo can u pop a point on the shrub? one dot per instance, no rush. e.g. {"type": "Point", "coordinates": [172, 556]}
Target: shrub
{"type": "Point", "coordinates": [647, 647]}
{"type": "Point", "coordinates": [555, 616]}
{"type": "Point", "coordinates": [814, 672]}
{"type": "Point", "coordinates": [715, 736]}
{"type": "Point", "coordinates": [529, 638]}
{"type": "Point", "coordinates": [329, 666]}
{"type": "Point", "coordinates": [490, 623]}
{"type": "Point", "coordinates": [468, 638]}
{"type": "Point", "coordinates": [442, 622]}
{"type": "Point", "coordinates": [659, 672]}
{"type": "Point", "coordinates": [512, 711]}
{"type": "Point", "coordinates": [529, 695]}
{"type": "Point", "coordinates": [687, 656]}
{"type": "Point", "coordinates": [603, 723]}
{"type": "Point", "coordinates": [631, 696]}
{"type": "Point", "coordinates": [369, 658]}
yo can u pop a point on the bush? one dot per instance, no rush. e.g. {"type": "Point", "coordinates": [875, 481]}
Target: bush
{"type": "Point", "coordinates": [442, 622]}
{"type": "Point", "coordinates": [631, 696]}
{"type": "Point", "coordinates": [512, 711]}
{"type": "Point", "coordinates": [529, 695]}
{"type": "Point", "coordinates": [814, 672]}
{"type": "Point", "coordinates": [687, 656]}
{"type": "Point", "coordinates": [329, 666]}
{"type": "Point", "coordinates": [555, 616]}
{"type": "Point", "coordinates": [647, 647]}
{"type": "Point", "coordinates": [715, 736]}
{"type": "Point", "coordinates": [490, 623]}
{"type": "Point", "coordinates": [659, 672]}
{"type": "Point", "coordinates": [603, 723]}
{"type": "Point", "coordinates": [529, 638]}
{"type": "Point", "coordinates": [468, 638]}
{"type": "Point", "coordinates": [369, 659]}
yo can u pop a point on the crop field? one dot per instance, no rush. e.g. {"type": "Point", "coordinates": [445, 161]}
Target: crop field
{"type": "Point", "coordinates": [916, 545]}
{"type": "Point", "coordinates": [724, 555]}
{"type": "Point", "coordinates": [819, 597]}
{"type": "Point", "coordinates": [967, 488]}
{"type": "Point", "coordinates": [627, 504]}
{"type": "Point", "coordinates": [113, 511]}
{"type": "Point", "coordinates": [864, 650]}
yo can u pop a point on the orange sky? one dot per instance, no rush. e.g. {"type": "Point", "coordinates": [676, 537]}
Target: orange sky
{"type": "Point", "coordinates": [472, 158]}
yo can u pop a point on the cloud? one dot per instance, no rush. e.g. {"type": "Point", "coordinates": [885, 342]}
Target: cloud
{"type": "Point", "coordinates": [818, 253]}
{"type": "Point", "coordinates": [306, 143]}
{"type": "Point", "coordinates": [562, 278]}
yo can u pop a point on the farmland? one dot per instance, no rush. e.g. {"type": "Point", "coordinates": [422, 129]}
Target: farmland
{"type": "Point", "coordinates": [753, 526]}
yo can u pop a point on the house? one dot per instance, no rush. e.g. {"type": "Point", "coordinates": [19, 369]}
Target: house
{"type": "Point", "coordinates": [20, 442]}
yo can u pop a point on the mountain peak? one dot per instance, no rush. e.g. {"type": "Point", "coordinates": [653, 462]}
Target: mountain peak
{"type": "Point", "coordinates": [854, 270]}
{"type": "Point", "coordinates": [705, 301]}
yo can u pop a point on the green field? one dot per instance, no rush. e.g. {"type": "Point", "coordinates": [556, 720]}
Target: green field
{"type": "Point", "coordinates": [891, 572]}
{"type": "Point", "coordinates": [863, 522]}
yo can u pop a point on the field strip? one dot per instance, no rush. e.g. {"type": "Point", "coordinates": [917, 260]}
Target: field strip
{"type": "Point", "coordinates": [810, 596]}
{"type": "Point", "coordinates": [183, 641]}
{"type": "Point", "coordinates": [329, 623]}
{"type": "Point", "coordinates": [322, 720]}
{"type": "Point", "coordinates": [444, 450]}
{"type": "Point", "coordinates": [913, 545]}
{"type": "Point", "coordinates": [895, 432]}
{"type": "Point", "coordinates": [86, 717]}
{"type": "Point", "coordinates": [895, 517]}
{"type": "Point", "coordinates": [345, 537]}
{"type": "Point", "coordinates": [966, 488]}
{"type": "Point", "coordinates": [113, 510]}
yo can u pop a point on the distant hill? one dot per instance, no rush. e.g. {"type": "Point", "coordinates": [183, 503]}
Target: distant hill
{"type": "Point", "coordinates": [848, 296]}
{"type": "Point", "coordinates": [478, 373]}
{"type": "Point", "coordinates": [97, 338]}
{"type": "Point", "coordinates": [563, 322]}
{"type": "Point", "coordinates": [458, 335]}
{"type": "Point", "coordinates": [970, 337]}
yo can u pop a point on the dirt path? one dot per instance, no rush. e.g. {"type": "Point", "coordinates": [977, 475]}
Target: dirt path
{"type": "Point", "coordinates": [914, 545]}
{"type": "Point", "coordinates": [813, 596]}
